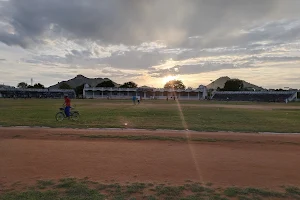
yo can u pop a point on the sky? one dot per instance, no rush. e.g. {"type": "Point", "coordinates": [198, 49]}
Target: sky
{"type": "Point", "coordinates": [150, 42]}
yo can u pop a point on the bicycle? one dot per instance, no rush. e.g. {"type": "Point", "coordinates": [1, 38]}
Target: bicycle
{"type": "Point", "coordinates": [60, 116]}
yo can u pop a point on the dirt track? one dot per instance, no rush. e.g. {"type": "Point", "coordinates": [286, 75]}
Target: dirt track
{"type": "Point", "coordinates": [248, 160]}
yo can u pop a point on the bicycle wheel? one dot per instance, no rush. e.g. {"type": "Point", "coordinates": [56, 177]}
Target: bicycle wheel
{"type": "Point", "coordinates": [74, 116]}
{"type": "Point", "coordinates": [59, 116]}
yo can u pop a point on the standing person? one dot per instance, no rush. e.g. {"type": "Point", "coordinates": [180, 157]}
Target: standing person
{"type": "Point", "coordinates": [67, 105]}
{"type": "Point", "coordinates": [138, 99]}
{"type": "Point", "coordinates": [133, 99]}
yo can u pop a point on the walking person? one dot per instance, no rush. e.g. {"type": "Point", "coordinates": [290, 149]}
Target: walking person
{"type": "Point", "coordinates": [134, 99]}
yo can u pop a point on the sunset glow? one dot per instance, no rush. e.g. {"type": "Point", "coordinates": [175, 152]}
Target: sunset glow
{"type": "Point", "coordinates": [169, 78]}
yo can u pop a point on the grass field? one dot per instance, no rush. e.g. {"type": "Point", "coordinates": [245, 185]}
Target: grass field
{"type": "Point", "coordinates": [196, 115]}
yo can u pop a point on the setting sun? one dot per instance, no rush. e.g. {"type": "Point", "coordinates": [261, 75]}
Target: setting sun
{"type": "Point", "coordinates": [168, 78]}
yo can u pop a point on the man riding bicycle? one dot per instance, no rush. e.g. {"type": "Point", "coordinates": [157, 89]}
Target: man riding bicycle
{"type": "Point", "coordinates": [67, 105]}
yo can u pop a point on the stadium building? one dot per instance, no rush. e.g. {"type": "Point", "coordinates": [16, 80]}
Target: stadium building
{"type": "Point", "coordinates": [144, 93]}
{"type": "Point", "coordinates": [258, 96]}
{"type": "Point", "coordinates": [35, 93]}
{"type": "Point", "coordinates": [189, 94]}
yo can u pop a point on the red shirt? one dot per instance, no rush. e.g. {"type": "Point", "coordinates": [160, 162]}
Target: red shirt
{"type": "Point", "coordinates": [68, 102]}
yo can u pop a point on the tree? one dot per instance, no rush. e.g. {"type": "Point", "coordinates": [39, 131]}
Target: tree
{"type": "Point", "coordinates": [189, 88]}
{"type": "Point", "coordinates": [38, 86]}
{"type": "Point", "coordinates": [106, 84]}
{"type": "Point", "coordinates": [129, 84]}
{"type": "Point", "coordinates": [22, 85]}
{"type": "Point", "coordinates": [64, 86]}
{"type": "Point", "coordinates": [79, 90]}
{"type": "Point", "coordinates": [175, 84]}
{"type": "Point", "coordinates": [233, 85]}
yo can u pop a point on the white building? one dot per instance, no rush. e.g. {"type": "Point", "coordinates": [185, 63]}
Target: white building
{"type": "Point", "coordinates": [144, 93]}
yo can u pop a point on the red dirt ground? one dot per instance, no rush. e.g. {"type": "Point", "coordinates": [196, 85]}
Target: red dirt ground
{"type": "Point", "coordinates": [260, 160]}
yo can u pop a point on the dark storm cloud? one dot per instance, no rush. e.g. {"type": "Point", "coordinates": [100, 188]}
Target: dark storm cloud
{"type": "Point", "coordinates": [277, 32]}
{"type": "Point", "coordinates": [11, 39]}
{"type": "Point", "coordinates": [130, 22]}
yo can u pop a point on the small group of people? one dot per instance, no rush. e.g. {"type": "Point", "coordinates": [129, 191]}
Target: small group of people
{"type": "Point", "coordinates": [174, 98]}
{"type": "Point", "coordinates": [136, 98]}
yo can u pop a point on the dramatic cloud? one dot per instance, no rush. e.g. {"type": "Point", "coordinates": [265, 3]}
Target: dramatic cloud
{"type": "Point", "coordinates": [147, 40]}
{"type": "Point", "coordinates": [134, 22]}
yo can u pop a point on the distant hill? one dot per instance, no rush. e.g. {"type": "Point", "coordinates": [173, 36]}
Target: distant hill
{"type": "Point", "coordinates": [79, 80]}
{"type": "Point", "coordinates": [220, 82]}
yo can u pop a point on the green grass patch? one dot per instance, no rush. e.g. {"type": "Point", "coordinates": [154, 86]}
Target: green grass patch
{"type": "Point", "coordinates": [293, 190]}
{"type": "Point", "coordinates": [235, 191]}
{"type": "Point", "coordinates": [264, 193]}
{"type": "Point", "coordinates": [169, 190]}
{"type": "Point", "coordinates": [84, 189]}
{"type": "Point", "coordinates": [152, 115]}
{"type": "Point", "coordinates": [30, 195]}
{"type": "Point", "coordinates": [136, 188]}
{"type": "Point", "coordinates": [42, 184]}
{"type": "Point", "coordinates": [66, 183]}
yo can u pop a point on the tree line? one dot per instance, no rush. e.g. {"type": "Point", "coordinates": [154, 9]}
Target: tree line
{"type": "Point", "coordinates": [230, 85]}
{"type": "Point", "coordinates": [24, 85]}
